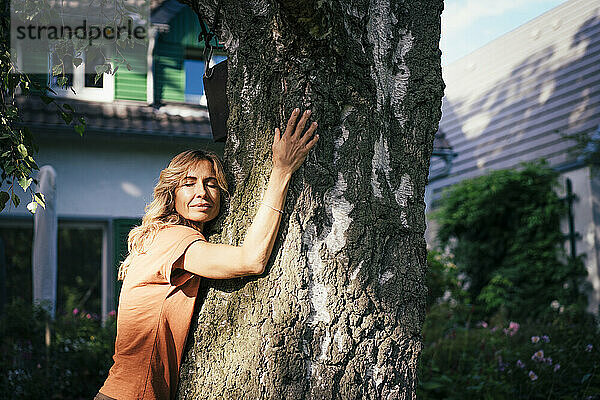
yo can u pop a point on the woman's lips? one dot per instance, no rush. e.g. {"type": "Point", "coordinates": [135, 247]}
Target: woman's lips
{"type": "Point", "coordinates": [202, 206]}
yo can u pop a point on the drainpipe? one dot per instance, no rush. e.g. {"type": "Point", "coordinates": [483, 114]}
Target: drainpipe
{"type": "Point", "coordinates": [150, 66]}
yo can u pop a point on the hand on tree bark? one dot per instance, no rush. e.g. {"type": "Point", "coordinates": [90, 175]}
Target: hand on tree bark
{"type": "Point", "coordinates": [291, 148]}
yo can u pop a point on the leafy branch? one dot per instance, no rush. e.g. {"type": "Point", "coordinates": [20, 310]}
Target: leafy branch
{"type": "Point", "coordinates": [17, 145]}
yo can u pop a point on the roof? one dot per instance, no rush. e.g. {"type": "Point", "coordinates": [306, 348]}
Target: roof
{"type": "Point", "coordinates": [120, 118]}
{"type": "Point", "coordinates": [511, 100]}
{"type": "Point", "coordinates": [164, 10]}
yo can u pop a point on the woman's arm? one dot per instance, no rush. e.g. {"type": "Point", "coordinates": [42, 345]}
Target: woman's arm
{"type": "Point", "coordinates": [219, 261]}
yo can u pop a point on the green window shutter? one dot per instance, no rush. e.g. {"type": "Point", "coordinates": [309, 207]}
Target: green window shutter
{"type": "Point", "coordinates": [131, 84]}
{"type": "Point", "coordinates": [169, 84]}
{"type": "Point", "coordinates": [121, 228]}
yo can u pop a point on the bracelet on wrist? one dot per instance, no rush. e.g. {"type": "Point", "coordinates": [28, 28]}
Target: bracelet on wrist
{"type": "Point", "coordinates": [273, 208]}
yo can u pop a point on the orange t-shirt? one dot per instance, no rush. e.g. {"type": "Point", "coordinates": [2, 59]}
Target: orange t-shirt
{"type": "Point", "coordinates": [155, 311]}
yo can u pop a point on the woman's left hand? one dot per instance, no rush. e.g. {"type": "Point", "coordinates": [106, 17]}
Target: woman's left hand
{"type": "Point", "coordinates": [291, 148]}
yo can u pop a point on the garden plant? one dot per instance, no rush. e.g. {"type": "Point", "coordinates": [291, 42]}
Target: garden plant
{"type": "Point", "coordinates": [506, 309]}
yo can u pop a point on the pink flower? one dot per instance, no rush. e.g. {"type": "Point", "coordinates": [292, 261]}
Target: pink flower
{"type": "Point", "coordinates": [513, 327]}
{"type": "Point", "coordinates": [482, 324]}
{"type": "Point", "coordinates": [556, 367]}
{"type": "Point", "coordinates": [589, 348]}
{"type": "Point", "coordinates": [520, 364]}
{"type": "Point", "coordinates": [548, 360]}
{"type": "Point", "coordinates": [532, 375]}
{"type": "Point", "coordinates": [538, 355]}
{"type": "Point", "coordinates": [112, 313]}
{"type": "Point", "coordinates": [75, 311]}
{"type": "Point", "coordinates": [88, 316]}
{"type": "Point", "coordinates": [535, 339]}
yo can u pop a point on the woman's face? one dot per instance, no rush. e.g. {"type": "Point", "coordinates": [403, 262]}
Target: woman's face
{"type": "Point", "coordinates": [198, 197]}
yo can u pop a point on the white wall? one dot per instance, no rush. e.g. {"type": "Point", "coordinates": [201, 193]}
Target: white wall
{"type": "Point", "coordinates": [587, 225]}
{"type": "Point", "coordinates": [96, 178]}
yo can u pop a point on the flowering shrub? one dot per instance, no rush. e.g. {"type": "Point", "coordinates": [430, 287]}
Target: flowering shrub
{"type": "Point", "coordinates": [73, 366]}
{"type": "Point", "coordinates": [555, 358]}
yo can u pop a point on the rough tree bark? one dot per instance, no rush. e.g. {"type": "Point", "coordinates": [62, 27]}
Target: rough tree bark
{"type": "Point", "coordinates": [338, 314]}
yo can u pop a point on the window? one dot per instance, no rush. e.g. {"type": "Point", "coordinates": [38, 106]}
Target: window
{"type": "Point", "coordinates": [194, 67]}
{"type": "Point", "coordinates": [194, 86]}
{"type": "Point", "coordinates": [79, 283]}
{"type": "Point", "coordinates": [15, 265]}
{"type": "Point", "coordinates": [79, 265]}
{"type": "Point", "coordinates": [82, 79]}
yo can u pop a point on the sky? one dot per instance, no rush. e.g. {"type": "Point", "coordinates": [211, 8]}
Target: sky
{"type": "Point", "coordinates": [470, 24]}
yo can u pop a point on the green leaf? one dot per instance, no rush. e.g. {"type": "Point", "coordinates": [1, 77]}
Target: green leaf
{"type": "Point", "coordinates": [131, 8]}
{"type": "Point", "coordinates": [24, 182]}
{"type": "Point", "coordinates": [4, 197]}
{"type": "Point", "coordinates": [16, 200]}
{"type": "Point", "coordinates": [80, 129]}
{"type": "Point", "coordinates": [22, 149]}
{"type": "Point", "coordinates": [10, 111]}
{"type": "Point", "coordinates": [40, 199]}
{"type": "Point", "coordinates": [68, 118]}
{"type": "Point", "coordinates": [77, 61]}
{"type": "Point", "coordinates": [100, 69]}
{"type": "Point", "coordinates": [46, 99]}
{"type": "Point", "coordinates": [585, 377]}
{"type": "Point", "coordinates": [57, 69]}
{"type": "Point", "coordinates": [68, 107]}
{"type": "Point", "coordinates": [32, 207]}
{"type": "Point", "coordinates": [62, 81]}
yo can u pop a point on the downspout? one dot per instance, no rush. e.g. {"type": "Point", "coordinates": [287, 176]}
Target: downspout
{"type": "Point", "coordinates": [150, 66]}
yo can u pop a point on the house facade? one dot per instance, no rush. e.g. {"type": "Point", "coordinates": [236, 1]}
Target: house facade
{"type": "Point", "coordinates": [514, 99]}
{"type": "Point", "coordinates": [136, 122]}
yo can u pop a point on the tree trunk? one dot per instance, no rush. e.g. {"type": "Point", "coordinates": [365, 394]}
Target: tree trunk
{"type": "Point", "coordinates": [338, 314]}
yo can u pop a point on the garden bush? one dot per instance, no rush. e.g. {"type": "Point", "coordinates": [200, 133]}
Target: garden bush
{"type": "Point", "coordinates": [73, 367]}
{"type": "Point", "coordinates": [506, 310]}
{"type": "Point", "coordinates": [503, 229]}
{"type": "Point", "coordinates": [554, 356]}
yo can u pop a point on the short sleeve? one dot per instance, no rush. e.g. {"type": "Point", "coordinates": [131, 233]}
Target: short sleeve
{"type": "Point", "coordinates": [178, 239]}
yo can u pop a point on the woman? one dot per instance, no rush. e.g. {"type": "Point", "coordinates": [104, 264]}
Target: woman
{"type": "Point", "coordinates": [168, 254]}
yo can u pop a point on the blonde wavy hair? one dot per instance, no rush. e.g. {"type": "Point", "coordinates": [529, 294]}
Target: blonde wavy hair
{"type": "Point", "coordinates": [161, 211]}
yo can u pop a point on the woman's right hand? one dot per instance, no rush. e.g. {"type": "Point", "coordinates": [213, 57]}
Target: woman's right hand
{"type": "Point", "coordinates": [291, 148]}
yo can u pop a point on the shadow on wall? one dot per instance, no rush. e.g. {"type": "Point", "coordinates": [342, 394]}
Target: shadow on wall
{"type": "Point", "coordinates": [522, 116]}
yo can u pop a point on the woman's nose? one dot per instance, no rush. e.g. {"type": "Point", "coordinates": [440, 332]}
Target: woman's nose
{"type": "Point", "coordinates": [201, 191]}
